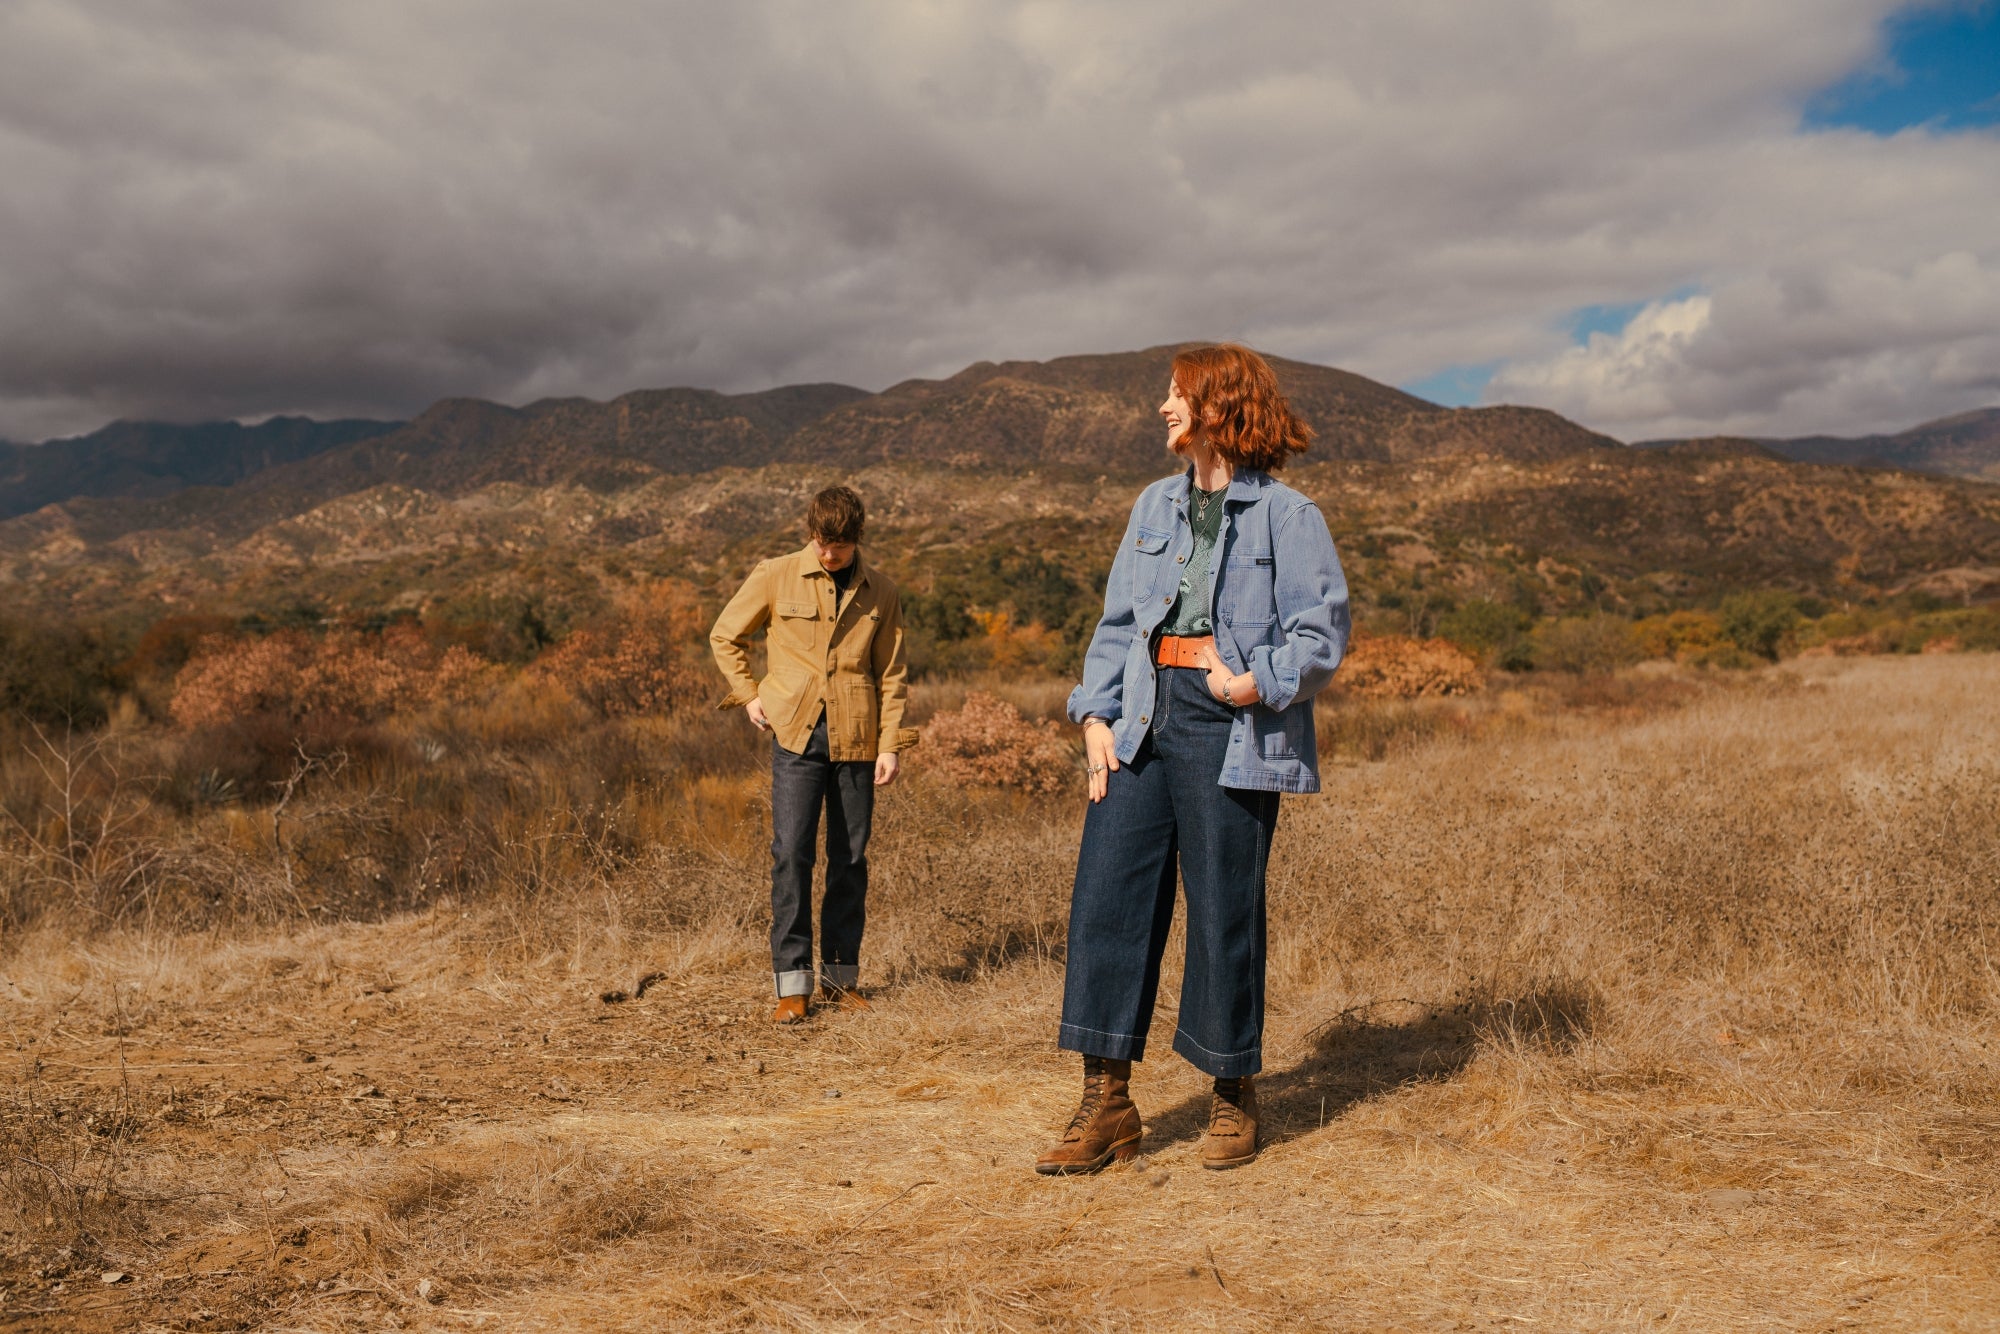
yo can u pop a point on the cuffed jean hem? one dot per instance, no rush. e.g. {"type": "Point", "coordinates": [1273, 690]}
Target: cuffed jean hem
{"type": "Point", "coordinates": [845, 976]}
{"type": "Point", "coordinates": [1216, 1065]}
{"type": "Point", "coordinates": [1108, 1046]}
{"type": "Point", "coordinates": [798, 982]}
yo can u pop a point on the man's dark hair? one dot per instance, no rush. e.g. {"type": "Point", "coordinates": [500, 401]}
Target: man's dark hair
{"type": "Point", "coordinates": [835, 515]}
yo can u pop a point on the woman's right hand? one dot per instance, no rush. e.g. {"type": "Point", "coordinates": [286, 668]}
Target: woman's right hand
{"type": "Point", "coordinates": [755, 708]}
{"type": "Point", "coordinates": [1100, 753]}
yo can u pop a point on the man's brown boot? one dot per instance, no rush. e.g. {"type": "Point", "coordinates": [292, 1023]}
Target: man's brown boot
{"type": "Point", "coordinates": [791, 1010]}
{"type": "Point", "coordinates": [1106, 1125]}
{"type": "Point", "coordinates": [1232, 1124]}
{"type": "Point", "coordinates": [843, 998]}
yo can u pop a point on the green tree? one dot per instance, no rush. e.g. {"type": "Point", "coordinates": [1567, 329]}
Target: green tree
{"type": "Point", "coordinates": [55, 673]}
{"type": "Point", "coordinates": [1758, 622]}
{"type": "Point", "coordinates": [1483, 627]}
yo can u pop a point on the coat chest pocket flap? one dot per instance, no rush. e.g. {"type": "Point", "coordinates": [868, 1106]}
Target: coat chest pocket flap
{"type": "Point", "coordinates": [798, 610]}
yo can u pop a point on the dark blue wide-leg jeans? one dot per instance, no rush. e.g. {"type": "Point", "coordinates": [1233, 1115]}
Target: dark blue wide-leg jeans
{"type": "Point", "coordinates": [1166, 807]}
{"type": "Point", "coordinates": [801, 785]}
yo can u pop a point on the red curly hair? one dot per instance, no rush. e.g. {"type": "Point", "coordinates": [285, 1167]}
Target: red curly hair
{"type": "Point", "coordinates": [1233, 393]}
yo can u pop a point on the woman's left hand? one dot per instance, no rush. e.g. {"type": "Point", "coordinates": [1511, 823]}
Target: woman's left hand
{"type": "Point", "coordinates": [1240, 689]}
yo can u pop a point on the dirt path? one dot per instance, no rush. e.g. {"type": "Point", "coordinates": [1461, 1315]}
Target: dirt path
{"type": "Point", "coordinates": [338, 1141]}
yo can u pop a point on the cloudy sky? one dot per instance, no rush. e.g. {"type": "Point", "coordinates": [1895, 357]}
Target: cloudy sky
{"type": "Point", "coordinates": [1758, 216]}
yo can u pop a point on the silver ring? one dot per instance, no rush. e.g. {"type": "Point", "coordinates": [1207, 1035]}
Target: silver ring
{"type": "Point", "coordinates": [1098, 768]}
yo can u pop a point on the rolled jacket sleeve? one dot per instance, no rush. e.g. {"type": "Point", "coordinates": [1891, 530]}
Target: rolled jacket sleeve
{"type": "Point", "coordinates": [747, 613]}
{"type": "Point", "coordinates": [1310, 591]}
{"type": "Point", "coordinates": [1102, 693]}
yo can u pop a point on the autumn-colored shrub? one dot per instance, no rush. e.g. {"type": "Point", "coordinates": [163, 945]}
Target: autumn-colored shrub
{"type": "Point", "coordinates": [1015, 648]}
{"type": "Point", "coordinates": [989, 742]}
{"type": "Point", "coordinates": [347, 676]}
{"type": "Point", "coordinates": [647, 657]}
{"type": "Point", "coordinates": [1398, 667]}
{"type": "Point", "coordinates": [1967, 628]}
{"type": "Point", "coordinates": [1859, 631]}
{"type": "Point", "coordinates": [1585, 644]}
{"type": "Point", "coordinates": [227, 679]}
{"type": "Point", "coordinates": [1678, 635]}
{"type": "Point", "coordinates": [1843, 646]}
{"type": "Point", "coordinates": [996, 641]}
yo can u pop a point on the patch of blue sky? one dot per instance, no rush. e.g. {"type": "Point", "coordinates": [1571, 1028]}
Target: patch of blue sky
{"type": "Point", "coordinates": [1940, 68]}
{"type": "Point", "coordinates": [1454, 386]}
{"type": "Point", "coordinates": [1464, 385]}
{"type": "Point", "coordinates": [1587, 320]}
{"type": "Point", "coordinates": [1612, 318]}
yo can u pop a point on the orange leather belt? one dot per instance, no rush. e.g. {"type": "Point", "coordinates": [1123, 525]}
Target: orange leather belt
{"type": "Point", "coordinates": [1182, 650]}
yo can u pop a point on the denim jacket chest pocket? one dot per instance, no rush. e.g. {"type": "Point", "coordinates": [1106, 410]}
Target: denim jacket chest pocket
{"type": "Point", "coordinates": [1152, 564]}
{"type": "Point", "coordinates": [1246, 596]}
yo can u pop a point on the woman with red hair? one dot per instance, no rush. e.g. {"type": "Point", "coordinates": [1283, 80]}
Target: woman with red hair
{"type": "Point", "coordinates": [1225, 613]}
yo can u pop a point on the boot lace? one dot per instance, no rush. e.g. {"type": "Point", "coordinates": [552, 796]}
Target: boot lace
{"type": "Point", "coordinates": [1225, 1112]}
{"type": "Point", "coordinates": [1093, 1099]}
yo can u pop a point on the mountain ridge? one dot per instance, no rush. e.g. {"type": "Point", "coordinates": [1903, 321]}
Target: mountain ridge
{"type": "Point", "coordinates": [479, 503]}
{"type": "Point", "coordinates": [1093, 413]}
{"type": "Point", "coordinates": [145, 459]}
{"type": "Point", "coordinates": [1966, 444]}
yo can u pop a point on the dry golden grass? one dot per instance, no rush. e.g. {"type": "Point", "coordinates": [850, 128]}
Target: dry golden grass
{"type": "Point", "coordinates": [1673, 1007]}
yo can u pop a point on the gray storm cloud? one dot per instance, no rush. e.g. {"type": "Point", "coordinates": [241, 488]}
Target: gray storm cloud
{"type": "Point", "coordinates": [242, 208]}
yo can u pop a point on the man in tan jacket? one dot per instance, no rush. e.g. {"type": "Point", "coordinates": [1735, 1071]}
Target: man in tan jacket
{"type": "Point", "coordinates": [832, 698]}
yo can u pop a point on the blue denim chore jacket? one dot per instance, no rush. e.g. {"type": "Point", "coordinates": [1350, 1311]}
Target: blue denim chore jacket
{"type": "Point", "coordinates": [1280, 612]}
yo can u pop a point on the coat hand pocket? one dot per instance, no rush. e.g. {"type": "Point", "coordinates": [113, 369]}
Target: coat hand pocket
{"type": "Point", "coordinates": [782, 693]}
{"type": "Point", "coordinates": [862, 724]}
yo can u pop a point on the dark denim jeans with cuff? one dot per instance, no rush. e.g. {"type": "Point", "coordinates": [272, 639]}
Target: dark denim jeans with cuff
{"type": "Point", "coordinates": [1164, 807]}
{"type": "Point", "coordinates": [800, 786]}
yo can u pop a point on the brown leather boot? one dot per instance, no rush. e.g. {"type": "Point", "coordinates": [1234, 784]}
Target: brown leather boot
{"type": "Point", "coordinates": [845, 999]}
{"type": "Point", "coordinates": [1232, 1124]}
{"type": "Point", "coordinates": [1106, 1125]}
{"type": "Point", "coordinates": [791, 1010]}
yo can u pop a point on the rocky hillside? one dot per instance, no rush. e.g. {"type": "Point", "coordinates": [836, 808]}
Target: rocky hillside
{"type": "Point", "coordinates": [1002, 472]}
{"type": "Point", "coordinates": [1098, 414]}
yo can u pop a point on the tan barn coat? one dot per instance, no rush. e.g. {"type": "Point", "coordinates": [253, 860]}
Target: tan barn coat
{"type": "Point", "coordinates": [846, 655]}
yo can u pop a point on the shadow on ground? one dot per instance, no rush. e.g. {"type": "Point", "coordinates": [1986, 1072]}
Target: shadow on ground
{"type": "Point", "coordinates": [1365, 1051]}
{"type": "Point", "coordinates": [994, 949]}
